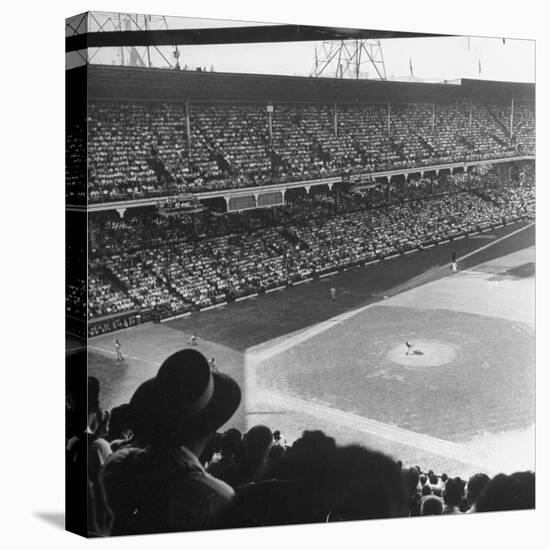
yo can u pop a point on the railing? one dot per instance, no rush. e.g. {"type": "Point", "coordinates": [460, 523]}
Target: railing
{"type": "Point", "coordinates": [118, 321]}
{"type": "Point", "coordinates": [152, 198]}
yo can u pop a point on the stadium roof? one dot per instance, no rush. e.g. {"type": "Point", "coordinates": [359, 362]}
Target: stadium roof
{"type": "Point", "coordinates": [109, 82]}
{"type": "Point", "coordinates": [227, 35]}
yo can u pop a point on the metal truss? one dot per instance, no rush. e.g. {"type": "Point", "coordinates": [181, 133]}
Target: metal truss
{"type": "Point", "coordinates": [350, 59]}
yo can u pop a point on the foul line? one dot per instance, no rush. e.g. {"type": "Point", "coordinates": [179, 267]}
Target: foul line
{"type": "Point", "coordinates": [390, 432]}
{"type": "Point", "coordinates": [255, 353]}
{"type": "Point", "coordinates": [125, 355]}
{"type": "Point", "coordinates": [492, 243]}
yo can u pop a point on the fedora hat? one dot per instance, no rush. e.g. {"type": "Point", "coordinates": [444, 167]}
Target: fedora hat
{"type": "Point", "coordinates": [185, 401]}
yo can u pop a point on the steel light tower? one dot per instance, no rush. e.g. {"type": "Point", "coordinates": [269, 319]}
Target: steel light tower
{"type": "Point", "coordinates": [143, 56]}
{"type": "Point", "coordinates": [350, 59]}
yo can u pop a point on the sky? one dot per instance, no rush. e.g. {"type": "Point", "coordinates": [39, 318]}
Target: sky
{"type": "Point", "coordinates": [431, 59]}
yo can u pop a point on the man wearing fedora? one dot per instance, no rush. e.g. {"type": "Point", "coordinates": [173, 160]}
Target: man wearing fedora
{"type": "Point", "coordinates": [158, 483]}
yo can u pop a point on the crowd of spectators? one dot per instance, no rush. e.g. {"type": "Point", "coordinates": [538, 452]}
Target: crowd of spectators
{"type": "Point", "coordinates": [76, 299]}
{"type": "Point", "coordinates": [75, 162]}
{"type": "Point", "coordinates": [160, 464]}
{"type": "Point", "coordinates": [137, 150]}
{"type": "Point", "coordinates": [118, 322]}
{"type": "Point", "coordinates": [172, 266]}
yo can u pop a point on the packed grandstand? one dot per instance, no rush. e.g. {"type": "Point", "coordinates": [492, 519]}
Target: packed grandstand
{"type": "Point", "coordinates": [352, 183]}
{"type": "Point", "coordinates": [319, 182]}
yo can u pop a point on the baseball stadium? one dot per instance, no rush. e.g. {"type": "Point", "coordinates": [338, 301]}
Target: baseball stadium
{"type": "Point", "coordinates": [357, 254]}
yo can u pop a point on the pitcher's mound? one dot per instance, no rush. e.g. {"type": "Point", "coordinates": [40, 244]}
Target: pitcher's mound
{"type": "Point", "coordinates": [425, 353]}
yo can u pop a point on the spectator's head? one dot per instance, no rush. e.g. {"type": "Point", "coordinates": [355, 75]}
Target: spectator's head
{"type": "Point", "coordinates": [276, 453]}
{"type": "Point", "coordinates": [230, 441]}
{"type": "Point", "coordinates": [453, 492]}
{"type": "Point", "coordinates": [259, 440]}
{"type": "Point", "coordinates": [119, 423]}
{"type": "Point", "coordinates": [411, 479]}
{"type": "Point", "coordinates": [433, 479]}
{"type": "Point", "coordinates": [426, 490]}
{"type": "Point", "coordinates": [142, 419]}
{"type": "Point", "coordinates": [314, 441]}
{"type": "Point", "coordinates": [514, 492]}
{"type": "Point", "coordinates": [365, 484]}
{"type": "Point", "coordinates": [475, 485]}
{"type": "Point", "coordinates": [423, 480]}
{"type": "Point", "coordinates": [185, 403]}
{"type": "Point", "coordinates": [217, 442]}
{"type": "Point", "coordinates": [431, 506]}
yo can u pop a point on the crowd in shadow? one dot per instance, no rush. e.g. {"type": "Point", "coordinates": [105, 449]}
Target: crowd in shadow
{"type": "Point", "coordinates": [160, 464]}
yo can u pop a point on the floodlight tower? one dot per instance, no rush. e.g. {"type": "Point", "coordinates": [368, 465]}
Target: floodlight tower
{"type": "Point", "coordinates": [350, 59]}
{"type": "Point", "coordinates": [132, 56]}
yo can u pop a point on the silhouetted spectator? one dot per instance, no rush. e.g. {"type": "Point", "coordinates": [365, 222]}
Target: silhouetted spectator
{"type": "Point", "coordinates": [275, 454]}
{"type": "Point", "coordinates": [228, 444]}
{"type": "Point", "coordinates": [119, 427]}
{"type": "Point", "coordinates": [453, 495]}
{"type": "Point", "coordinates": [508, 492]}
{"type": "Point", "coordinates": [431, 506]}
{"type": "Point", "coordinates": [252, 458]}
{"type": "Point", "coordinates": [162, 486]}
{"type": "Point", "coordinates": [317, 481]}
{"type": "Point", "coordinates": [474, 487]}
{"type": "Point", "coordinates": [88, 452]}
{"type": "Point", "coordinates": [411, 481]}
{"type": "Point", "coordinates": [278, 439]}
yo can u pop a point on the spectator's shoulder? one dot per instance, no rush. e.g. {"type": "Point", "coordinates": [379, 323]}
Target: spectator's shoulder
{"type": "Point", "coordinates": [100, 447]}
{"type": "Point", "coordinates": [198, 498]}
{"type": "Point", "coordinates": [204, 486]}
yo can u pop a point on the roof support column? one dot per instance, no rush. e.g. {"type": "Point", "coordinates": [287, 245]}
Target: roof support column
{"type": "Point", "coordinates": [335, 119]}
{"type": "Point", "coordinates": [188, 126]}
{"type": "Point", "coordinates": [91, 235]}
{"type": "Point", "coordinates": [389, 119]}
{"type": "Point", "coordinates": [270, 110]}
{"type": "Point", "coordinates": [511, 121]}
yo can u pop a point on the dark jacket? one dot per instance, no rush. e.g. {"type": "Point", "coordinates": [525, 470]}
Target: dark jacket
{"type": "Point", "coordinates": [156, 490]}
